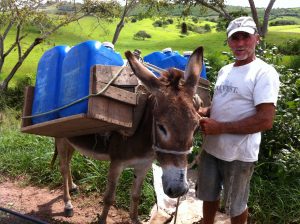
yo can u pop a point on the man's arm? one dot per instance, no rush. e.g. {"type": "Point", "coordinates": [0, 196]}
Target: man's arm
{"type": "Point", "coordinates": [261, 121]}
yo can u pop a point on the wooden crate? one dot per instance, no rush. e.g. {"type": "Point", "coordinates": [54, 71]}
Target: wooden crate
{"type": "Point", "coordinates": [111, 111]}
{"type": "Point", "coordinates": [204, 92]}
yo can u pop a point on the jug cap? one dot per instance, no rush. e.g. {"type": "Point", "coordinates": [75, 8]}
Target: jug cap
{"type": "Point", "coordinates": [187, 53]}
{"type": "Point", "coordinates": [168, 49]}
{"type": "Point", "coordinates": [108, 44]}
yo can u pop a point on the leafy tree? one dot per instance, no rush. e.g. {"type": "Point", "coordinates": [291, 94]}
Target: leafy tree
{"type": "Point", "coordinates": [16, 16]}
{"type": "Point", "coordinates": [184, 28]}
{"type": "Point", "coordinates": [220, 7]}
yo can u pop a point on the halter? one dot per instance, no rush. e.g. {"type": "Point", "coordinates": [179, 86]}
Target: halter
{"type": "Point", "coordinates": [156, 148]}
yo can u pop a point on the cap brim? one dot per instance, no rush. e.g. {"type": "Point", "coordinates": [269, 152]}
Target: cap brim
{"type": "Point", "coordinates": [241, 29]}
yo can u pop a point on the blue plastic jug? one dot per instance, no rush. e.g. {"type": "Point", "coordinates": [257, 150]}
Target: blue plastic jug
{"type": "Point", "coordinates": [47, 83]}
{"type": "Point", "coordinates": [187, 55]}
{"type": "Point", "coordinates": [76, 72]}
{"type": "Point", "coordinates": [156, 58]}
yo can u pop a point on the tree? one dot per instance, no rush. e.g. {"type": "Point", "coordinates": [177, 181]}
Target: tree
{"type": "Point", "coordinates": [220, 7]}
{"type": "Point", "coordinates": [151, 7]}
{"type": "Point", "coordinates": [17, 15]}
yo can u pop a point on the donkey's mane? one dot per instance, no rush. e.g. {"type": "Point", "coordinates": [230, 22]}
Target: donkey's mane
{"type": "Point", "coordinates": [173, 78]}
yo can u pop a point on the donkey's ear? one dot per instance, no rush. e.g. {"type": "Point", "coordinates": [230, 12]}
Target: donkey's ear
{"type": "Point", "coordinates": [193, 70]}
{"type": "Point", "coordinates": [144, 74]}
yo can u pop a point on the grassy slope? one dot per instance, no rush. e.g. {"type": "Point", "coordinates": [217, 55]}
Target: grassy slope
{"type": "Point", "coordinates": [169, 36]}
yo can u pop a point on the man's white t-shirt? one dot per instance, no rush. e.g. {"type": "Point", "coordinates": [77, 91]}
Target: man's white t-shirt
{"type": "Point", "coordinates": [237, 91]}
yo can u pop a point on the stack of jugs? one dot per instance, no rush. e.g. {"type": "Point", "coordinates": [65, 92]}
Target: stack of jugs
{"type": "Point", "coordinates": [168, 59]}
{"type": "Point", "coordinates": [76, 72]}
{"type": "Point", "coordinates": [47, 84]}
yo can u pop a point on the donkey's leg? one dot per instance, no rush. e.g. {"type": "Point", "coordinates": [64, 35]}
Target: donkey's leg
{"type": "Point", "coordinates": [115, 169]}
{"type": "Point", "coordinates": [140, 172]}
{"type": "Point", "coordinates": [65, 152]}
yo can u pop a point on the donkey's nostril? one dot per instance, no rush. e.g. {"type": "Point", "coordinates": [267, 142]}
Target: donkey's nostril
{"type": "Point", "coordinates": [169, 192]}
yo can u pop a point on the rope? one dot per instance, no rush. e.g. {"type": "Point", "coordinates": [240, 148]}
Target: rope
{"type": "Point", "coordinates": [79, 100]}
{"type": "Point", "coordinates": [176, 211]}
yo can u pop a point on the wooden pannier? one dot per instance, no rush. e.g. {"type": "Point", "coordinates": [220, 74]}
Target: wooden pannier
{"type": "Point", "coordinates": [115, 109]}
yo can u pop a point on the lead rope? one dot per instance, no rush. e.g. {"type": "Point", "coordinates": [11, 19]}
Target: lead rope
{"type": "Point", "coordinates": [176, 211]}
{"type": "Point", "coordinates": [154, 143]}
{"type": "Point", "coordinates": [81, 99]}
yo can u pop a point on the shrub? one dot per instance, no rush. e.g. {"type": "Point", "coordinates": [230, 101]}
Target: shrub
{"type": "Point", "coordinates": [14, 97]}
{"type": "Point", "coordinates": [184, 28]}
{"type": "Point", "coordinates": [195, 19]}
{"type": "Point", "coordinates": [170, 21]}
{"type": "Point", "coordinates": [282, 23]}
{"type": "Point", "coordinates": [141, 35]}
{"type": "Point", "coordinates": [291, 47]}
{"type": "Point", "coordinates": [133, 20]}
{"type": "Point", "coordinates": [157, 23]}
{"type": "Point", "coordinates": [207, 28]}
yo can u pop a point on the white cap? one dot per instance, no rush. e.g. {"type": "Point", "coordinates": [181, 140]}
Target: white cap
{"type": "Point", "coordinates": [108, 44]}
{"type": "Point", "coordinates": [241, 24]}
{"type": "Point", "coordinates": [168, 49]}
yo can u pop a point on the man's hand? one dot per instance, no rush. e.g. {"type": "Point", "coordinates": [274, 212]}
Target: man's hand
{"type": "Point", "coordinates": [210, 126]}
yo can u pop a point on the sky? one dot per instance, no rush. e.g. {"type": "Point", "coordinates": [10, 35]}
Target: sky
{"type": "Point", "coordinates": [264, 3]}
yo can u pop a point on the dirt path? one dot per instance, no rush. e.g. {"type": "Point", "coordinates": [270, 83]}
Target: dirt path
{"type": "Point", "coordinates": [47, 205]}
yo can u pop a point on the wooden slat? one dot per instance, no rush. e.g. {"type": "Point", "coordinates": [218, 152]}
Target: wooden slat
{"type": "Point", "coordinates": [74, 125]}
{"type": "Point", "coordinates": [27, 106]}
{"type": "Point", "coordinates": [116, 93]}
{"type": "Point", "coordinates": [111, 111]}
{"type": "Point", "coordinates": [106, 73]}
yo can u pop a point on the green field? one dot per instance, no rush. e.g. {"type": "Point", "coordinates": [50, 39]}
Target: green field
{"type": "Point", "coordinates": [161, 37]}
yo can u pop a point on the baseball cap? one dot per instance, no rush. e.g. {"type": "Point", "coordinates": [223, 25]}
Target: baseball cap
{"type": "Point", "coordinates": [241, 24]}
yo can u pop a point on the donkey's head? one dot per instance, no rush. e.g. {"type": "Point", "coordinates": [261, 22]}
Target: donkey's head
{"type": "Point", "coordinates": [174, 118]}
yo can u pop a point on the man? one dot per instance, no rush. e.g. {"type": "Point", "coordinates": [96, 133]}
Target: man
{"type": "Point", "coordinates": [243, 105]}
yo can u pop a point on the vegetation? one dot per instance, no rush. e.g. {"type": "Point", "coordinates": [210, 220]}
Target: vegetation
{"type": "Point", "coordinates": [141, 35]}
{"type": "Point", "coordinates": [275, 185]}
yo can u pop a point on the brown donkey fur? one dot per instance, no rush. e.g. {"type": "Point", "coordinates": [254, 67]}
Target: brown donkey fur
{"type": "Point", "coordinates": [165, 133]}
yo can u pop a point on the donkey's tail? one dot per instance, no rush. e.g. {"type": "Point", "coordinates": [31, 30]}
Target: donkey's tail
{"type": "Point", "coordinates": [54, 156]}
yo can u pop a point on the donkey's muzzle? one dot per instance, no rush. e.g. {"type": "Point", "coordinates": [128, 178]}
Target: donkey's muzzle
{"type": "Point", "coordinates": [174, 182]}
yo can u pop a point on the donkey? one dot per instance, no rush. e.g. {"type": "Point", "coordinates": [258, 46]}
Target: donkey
{"type": "Point", "coordinates": [165, 133]}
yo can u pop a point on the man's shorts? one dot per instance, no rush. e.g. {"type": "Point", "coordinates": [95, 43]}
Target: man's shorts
{"type": "Point", "coordinates": [234, 177]}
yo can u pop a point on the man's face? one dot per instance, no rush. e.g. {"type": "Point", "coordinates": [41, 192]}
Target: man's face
{"type": "Point", "coordinates": [243, 46]}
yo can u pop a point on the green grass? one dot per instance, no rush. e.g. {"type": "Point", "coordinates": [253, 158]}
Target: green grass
{"type": "Point", "coordinates": [90, 29]}
{"type": "Point", "coordinates": [29, 156]}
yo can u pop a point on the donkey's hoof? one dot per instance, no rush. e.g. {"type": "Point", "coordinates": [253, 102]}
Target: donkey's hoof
{"type": "Point", "coordinates": [69, 212]}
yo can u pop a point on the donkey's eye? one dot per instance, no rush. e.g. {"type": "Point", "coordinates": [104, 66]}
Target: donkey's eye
{"type": "Point", "coordinates": [162, 129]}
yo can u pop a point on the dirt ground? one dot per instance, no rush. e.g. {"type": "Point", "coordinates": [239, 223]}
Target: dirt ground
{"type": "Point", "coordinates": [47, 205]}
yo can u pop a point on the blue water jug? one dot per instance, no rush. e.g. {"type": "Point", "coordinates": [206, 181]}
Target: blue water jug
{"type": "Point", "coordinates": [47, 83]}
{"type": "Point", "coordinates": [187, 55]}
{"type": "Point", "coordinates": [156, 58]}
{"type": "Point", "coordinates": [76, 71]}
{"type": "Point", "coordinates": [174, 61]}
